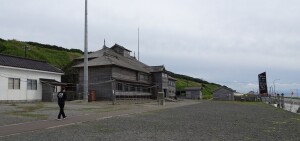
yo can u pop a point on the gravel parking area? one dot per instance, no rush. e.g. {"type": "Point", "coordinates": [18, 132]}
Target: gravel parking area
{"type": "Point", "coordinates": [28, 112]}
{"type": "Point", "coordinates": [209, 120]}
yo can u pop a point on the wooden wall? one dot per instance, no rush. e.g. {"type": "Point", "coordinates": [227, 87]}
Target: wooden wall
{"type": "Point", "coordinates": [223, 94]}
{"type": "Point", "coordinates": [99, 80]}
{"type": "Point", "coordinates": [124, 74]}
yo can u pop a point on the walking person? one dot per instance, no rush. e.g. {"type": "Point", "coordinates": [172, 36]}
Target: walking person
{"type": "Point", "coordinates": [61, 98]}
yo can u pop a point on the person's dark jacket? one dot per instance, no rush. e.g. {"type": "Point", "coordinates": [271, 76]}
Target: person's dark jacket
{"type": "Point", "coordinates": [61, 97]}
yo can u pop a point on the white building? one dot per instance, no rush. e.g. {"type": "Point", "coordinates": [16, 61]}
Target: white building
{"type": "Point", "coordinates": [20, 78]}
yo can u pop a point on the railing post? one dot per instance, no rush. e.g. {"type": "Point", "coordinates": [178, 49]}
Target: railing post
{"type": "Point", "coordinates": [161, 98]}
{"type": "Point", "coordinates": [282, 101]}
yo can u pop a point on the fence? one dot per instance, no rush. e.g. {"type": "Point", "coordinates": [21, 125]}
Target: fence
{"type": "Point", "coordinates": [131, 97]}
{"type": "Point", "coordinates": [287, 103]}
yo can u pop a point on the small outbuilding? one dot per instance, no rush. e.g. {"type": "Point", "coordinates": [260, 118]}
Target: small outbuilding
{"type": "Point", "coordinates": [224, 93]}
{"type": "Point", "coordinates": [193, 92]}
{"type": "Point", "coordinates": [250, 97]}
{"type": "Point", "coordinates": [238, 97]}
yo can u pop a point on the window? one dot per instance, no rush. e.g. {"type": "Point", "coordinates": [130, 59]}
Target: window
{"type": "Point", "coordinates": [13, 83]}
{"type": "Point", "coordinates": [164, 75]}
{"type": "Point", "coordinates": [119, 86]}
{"type": "Point", "coordinates": [144, 77]}
{"type": "Point", "coordinates": [145, 89]}
{"type": "Point", "coordinates": [139, 89]}
{"type": "Point", "coordinates": [126, 88]}
{"type": "Point", "coordinates": [171, 83]}
{"type": "Point", "coordinates": [132, 88]}
{"type": "Point", "coordinates": [31, 84]}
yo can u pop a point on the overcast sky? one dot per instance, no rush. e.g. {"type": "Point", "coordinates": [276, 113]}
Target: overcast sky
{"type": "Point", "coordinates": [228, 42]}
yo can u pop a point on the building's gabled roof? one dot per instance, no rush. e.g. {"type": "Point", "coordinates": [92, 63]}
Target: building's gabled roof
{"type": "Point", "coordinates": [192, 88]}
{"type": "Point", "coordinates": [171, 78]}
{"type": "Point", "coordinates": [26, 63]}
{"type": "Point", "coordinates": [224, 88]}
{"type": "Point", "coordinates": [157, 68]}
{"type": "Point", "coordinates": [93, 54]}
{"type": "Point", "coordinates": [106, 56]}
{"type": "Point", "coordinates": [119, 46]}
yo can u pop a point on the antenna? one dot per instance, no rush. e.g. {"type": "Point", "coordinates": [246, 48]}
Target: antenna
{"type": "Point", "coordinates": [139, 43]}
{"type": "Point", "coordinates": [104, 44]}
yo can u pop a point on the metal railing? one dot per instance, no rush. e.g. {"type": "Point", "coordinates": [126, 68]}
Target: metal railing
{"type": "Point", "coordinates": [291, 104]}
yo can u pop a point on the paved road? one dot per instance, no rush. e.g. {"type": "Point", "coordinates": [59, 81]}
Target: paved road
{"type": "Point", "coordinates": [204, 121]}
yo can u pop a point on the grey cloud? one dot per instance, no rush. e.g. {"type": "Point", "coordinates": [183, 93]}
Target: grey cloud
{"type": "Point", "coordinates": [220, 41]}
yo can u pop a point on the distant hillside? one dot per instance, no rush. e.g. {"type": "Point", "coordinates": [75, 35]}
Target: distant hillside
{"type": "Point", "coordinates": [57, 56]}
{"type": "Point", "coordinates": [62, 58]}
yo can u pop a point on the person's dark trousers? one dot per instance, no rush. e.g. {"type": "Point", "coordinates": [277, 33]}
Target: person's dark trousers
{"type": "Point", "coordinates": [61, 111]}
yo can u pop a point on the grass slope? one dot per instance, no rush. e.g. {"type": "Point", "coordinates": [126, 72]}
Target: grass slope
{"type": "Point", "coordinates": [58, 58]}
{"type": "Point", "coordinates": [207, 88]}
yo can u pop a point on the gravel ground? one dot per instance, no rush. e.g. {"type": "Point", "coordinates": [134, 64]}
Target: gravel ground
{"type": "Point", "coordinates": [27, 112]}
{"type": "Point", "coordinates": [209, 120]}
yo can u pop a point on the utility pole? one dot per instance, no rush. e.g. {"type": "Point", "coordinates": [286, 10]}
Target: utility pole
{"type": "Point", "coordinates": [86, 74]}
{"type": "Point", "coordinates": [25, 50]}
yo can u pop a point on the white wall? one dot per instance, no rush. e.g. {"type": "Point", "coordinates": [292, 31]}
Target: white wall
{"type": "Point", "coordinates": [23, 74]}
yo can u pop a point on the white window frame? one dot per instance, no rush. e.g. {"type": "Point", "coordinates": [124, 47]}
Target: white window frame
{"type": "Point", "coordinates": [14, 83]}
{"type": "Point", "coordinates": [31, 84]}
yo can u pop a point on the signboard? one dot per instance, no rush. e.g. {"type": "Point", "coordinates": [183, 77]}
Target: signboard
{"type": "Point", "coordinates": [262, 80]}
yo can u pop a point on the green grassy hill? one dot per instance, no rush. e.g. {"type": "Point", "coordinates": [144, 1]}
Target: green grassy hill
{"type": "Point", "coordinates": [54, 55]}
{"type": "Point", "coordinates": [62, 58]}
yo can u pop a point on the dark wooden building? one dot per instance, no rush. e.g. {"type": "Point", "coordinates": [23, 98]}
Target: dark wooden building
{"type": "Point", "coordinates": [113, 72]}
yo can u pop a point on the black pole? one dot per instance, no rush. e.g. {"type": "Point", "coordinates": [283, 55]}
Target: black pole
{"type": "Point", "coordinates": [25, 49]}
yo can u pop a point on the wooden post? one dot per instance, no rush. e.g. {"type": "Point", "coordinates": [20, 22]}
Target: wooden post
{"type": "Point", "coordinates": [113, 93]}
{"type": "Point", "coordinates": [282, 101]}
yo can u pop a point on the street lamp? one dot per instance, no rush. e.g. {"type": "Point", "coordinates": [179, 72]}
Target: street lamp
{"type": "Point", "coordinates": [274, 85]}
{"type": "Point", "coordinates": [271, 90]}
